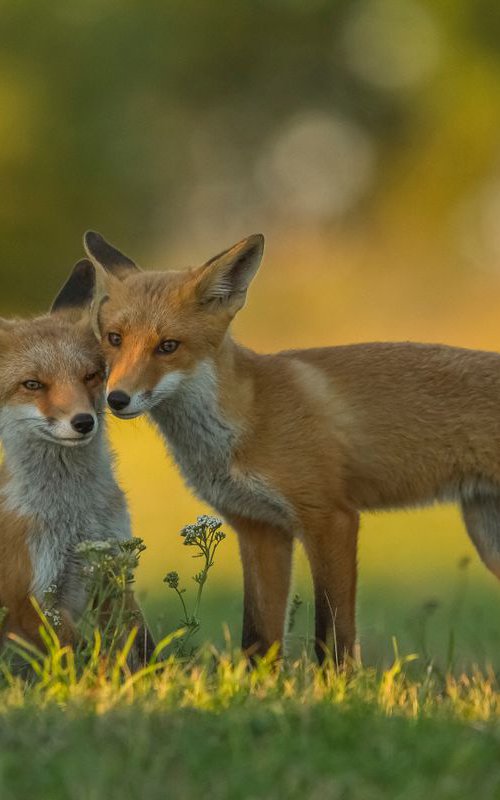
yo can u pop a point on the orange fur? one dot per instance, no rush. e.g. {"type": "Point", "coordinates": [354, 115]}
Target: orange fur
{"type": "Point", "coordinates": [62, 391]}
{"type": "Point", "coordinates": [15, 575]}
{"type": "Point", "coordinates": [266, 556]}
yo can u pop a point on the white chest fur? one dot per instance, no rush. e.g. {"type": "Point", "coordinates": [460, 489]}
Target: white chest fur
{"type": "Point", "coordinates": [69, 495]}
{"type": "Point", "coordinates": [203, 443]}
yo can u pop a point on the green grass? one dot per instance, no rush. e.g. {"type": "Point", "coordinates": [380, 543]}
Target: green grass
{"type": "Point", "coordinates": [454, 623]}
{"type": "Point", "coordinates": [214, 729]}
{"type": "Point", "coordinates": [256, 751]}
{"type": "Point", "coordinates": [420, 718]}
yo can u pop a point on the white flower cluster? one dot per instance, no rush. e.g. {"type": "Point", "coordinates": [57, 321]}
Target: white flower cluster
{"type": "Point", "coordinates": [212, 523]}
{"type": "Point", "coordinates": [54, 616]}
{"type": "Point", "coordinates": [204, 526]}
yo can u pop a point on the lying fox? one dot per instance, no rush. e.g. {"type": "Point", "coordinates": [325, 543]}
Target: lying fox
{"type": "Point", "coordinates": [297, 444]}
{"type": "Point", "coordinates": [56, 482]}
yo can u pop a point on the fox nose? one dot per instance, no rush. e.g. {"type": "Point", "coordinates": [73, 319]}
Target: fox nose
{"type": "Point", "coordinates": [83, 423]}
{"type": "Point", "coordinates": [118, 400]}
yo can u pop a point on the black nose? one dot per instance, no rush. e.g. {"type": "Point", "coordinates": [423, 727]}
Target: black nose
{"type": "Point", "coordinates": [83, 423]}
{"type": "Point", "coordinates": [118, 400]}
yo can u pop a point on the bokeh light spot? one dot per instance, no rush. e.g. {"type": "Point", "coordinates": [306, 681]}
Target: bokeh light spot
{"type": "Point", "coordinates": [391, 44]}
{"type": "Point", "coordinates": [318, 166]}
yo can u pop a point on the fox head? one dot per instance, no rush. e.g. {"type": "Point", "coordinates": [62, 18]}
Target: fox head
{"type": "Point", "coordinates": [157, 327]}
{"type": "Point", "coordinates": [52, 370]}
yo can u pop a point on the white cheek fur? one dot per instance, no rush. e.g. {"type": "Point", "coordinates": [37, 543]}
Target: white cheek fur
{"type": "Point", "coordinates": [168, 384]}
{"type": "Point", "coordinates": [24, 418]}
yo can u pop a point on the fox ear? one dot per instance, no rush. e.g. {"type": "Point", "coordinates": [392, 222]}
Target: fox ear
{"type": "Point", "coordinates": [85, 290]}
{"type": "Point", "coordinates": [78, 291]}
{"type": "Point", "coordinates": [105, 255]}
{"type": "Point", "coordinates": [224, 279]}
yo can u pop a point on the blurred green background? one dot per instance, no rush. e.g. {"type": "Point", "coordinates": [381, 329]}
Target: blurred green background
{"type": "Point", "coordinates": [361, 136]}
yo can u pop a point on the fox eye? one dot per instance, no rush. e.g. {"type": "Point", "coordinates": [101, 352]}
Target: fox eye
{"type": "Point", "coordinates": [33, 386]}
{"type": "Point", "coordinates": [168, 346]}
{"type": "Point", "coordinates": [91, 376]}
{"type": "Point", "coordinates": [114, 339]}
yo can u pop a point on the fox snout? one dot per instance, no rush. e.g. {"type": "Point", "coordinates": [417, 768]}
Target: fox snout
{"type": "Point", "coordinates": [68, 412]}
{"type": "Point", "coordinates": [127, 406]}
{"type": "Point", "coordinates": [70, 428]}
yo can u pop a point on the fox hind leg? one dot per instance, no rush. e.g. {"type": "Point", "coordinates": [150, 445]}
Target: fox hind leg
{"type": "Point", "coordinates": [481, 515]}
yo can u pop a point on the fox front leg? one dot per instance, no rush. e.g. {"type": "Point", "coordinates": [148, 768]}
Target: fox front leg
{"type": "Point", "coordinates": [266, 555]}
{"type": "Point", "coordinates": [331, 547]}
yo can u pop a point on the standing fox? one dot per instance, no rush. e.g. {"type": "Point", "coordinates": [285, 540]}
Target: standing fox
{"type": "Point", "coordinates": [297, 444]}
{"type": "Point", "coordinates": [56, 483]}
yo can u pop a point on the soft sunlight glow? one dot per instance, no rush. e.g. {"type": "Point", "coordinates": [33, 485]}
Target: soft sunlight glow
{"type": "Point", "coordinates": [476, 228]}
{"type": "Point", "coordinates": [318, 166]}
{"type": "Point", "coordinates": [391, 44]}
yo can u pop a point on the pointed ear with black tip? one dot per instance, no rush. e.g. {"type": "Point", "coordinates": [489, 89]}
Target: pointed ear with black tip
{"type": "Point", "coordinates": [84, 291]}
{"type": "Point", "coordinates": [101, 252]}
{"type": "Point", "coordinates": [78, 291]}
{"type": "Point", "coordinates": [224, 280]}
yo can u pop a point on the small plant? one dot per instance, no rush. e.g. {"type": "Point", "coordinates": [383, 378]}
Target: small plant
{"type": "Point", "coordinates": [104, 653]}
{"type": "Point", "coordinates": [108, 570]}
{"type": "Point", "coordinates": [109, 624]}
{"type": "Point", "coordinates": [205, 536]}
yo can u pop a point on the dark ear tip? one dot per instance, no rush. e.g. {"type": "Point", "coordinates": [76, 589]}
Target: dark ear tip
{"type": "Point", "coordinates": [105, 253]}
{"type": "Point", "coordinates": [85, 268]}
{"type": "Point", "coordinates": [78, 289]}
{"type": "Point", "coordinates": [91, 238]}
{"type": "Point", "coordinates": [256, 242]}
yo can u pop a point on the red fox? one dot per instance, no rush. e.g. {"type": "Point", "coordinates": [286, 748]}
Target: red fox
{"type": "Point", "coordinates": [296, 444]}
{"type": "Point", "coordinates": [56, 482]}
